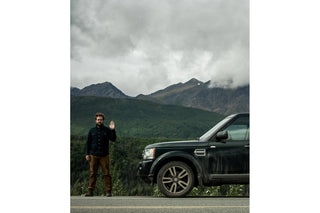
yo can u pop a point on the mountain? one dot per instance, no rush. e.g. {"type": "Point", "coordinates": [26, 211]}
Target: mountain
{"type": "Point", "coordinates": [75, 91]}
{"type": "Point", "coordinates": [105, 89]}
{"type": "Point", "coordinates": [193, 93]}
{"type": "Point", "coordinates": [197, 94]}
{"type": "Point", "coordinates": [138, 118]}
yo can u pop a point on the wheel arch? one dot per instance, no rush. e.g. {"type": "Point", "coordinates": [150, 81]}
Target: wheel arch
{"type": "Point", "coordinates": [177, 156]}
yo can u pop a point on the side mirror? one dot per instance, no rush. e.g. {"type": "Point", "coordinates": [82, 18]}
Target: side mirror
{"type": "Point", "coordinates": [222, 135]}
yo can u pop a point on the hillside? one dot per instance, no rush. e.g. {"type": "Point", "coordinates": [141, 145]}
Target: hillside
{"type": "Point", "coordinates": [138, 118]}
{"type": "Point", "coordinates": [193, 93]}
{"type": "Point", "coordinates": [199, 95]}
{"type": "Point", "coordinates": [105, 89]}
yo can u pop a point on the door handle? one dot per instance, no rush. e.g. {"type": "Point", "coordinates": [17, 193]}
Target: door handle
{"type": "Point", "coordinates": [246, 146]}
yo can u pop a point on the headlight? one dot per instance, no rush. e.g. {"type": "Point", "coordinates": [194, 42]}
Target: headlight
{"type": "Point", "coordinates": [148, 154]}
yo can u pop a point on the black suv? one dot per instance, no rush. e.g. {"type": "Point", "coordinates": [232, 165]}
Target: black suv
{"type": "Point", "coordinates": [220, 156]}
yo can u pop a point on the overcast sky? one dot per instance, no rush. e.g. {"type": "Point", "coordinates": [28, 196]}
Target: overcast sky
{"type": "Point", "coordinates": [141, 46]}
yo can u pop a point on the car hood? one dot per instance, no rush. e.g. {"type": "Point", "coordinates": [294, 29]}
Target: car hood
{"type": "Point", "coordinates": [171, 144]}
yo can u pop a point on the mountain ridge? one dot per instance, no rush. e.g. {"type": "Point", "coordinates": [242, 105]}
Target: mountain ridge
{"type": "Point", "coordinates": [105, 89]}
{"type": "Point", "coordinates": [193, 93]}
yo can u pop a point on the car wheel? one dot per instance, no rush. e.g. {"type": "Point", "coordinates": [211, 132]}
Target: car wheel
{"type": "Point", "coordinates": [175, 179]}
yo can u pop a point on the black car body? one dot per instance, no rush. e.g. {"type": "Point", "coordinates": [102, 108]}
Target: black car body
{"type": "Point", "coordinates": [220, 156]}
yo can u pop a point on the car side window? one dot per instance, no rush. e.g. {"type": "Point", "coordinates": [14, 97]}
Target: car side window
{"type": "Point", "coordinates": [238, 130]}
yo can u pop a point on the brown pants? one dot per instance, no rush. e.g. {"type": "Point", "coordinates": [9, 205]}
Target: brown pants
{"type": "Point", "coordinates": [104, 163]}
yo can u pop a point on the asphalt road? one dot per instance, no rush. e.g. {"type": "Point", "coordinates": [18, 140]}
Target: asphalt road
{"type": "Point", "coordinates": [159, 204]}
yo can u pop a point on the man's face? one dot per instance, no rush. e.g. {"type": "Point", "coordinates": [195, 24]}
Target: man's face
{"type": "Point", "coordinates": [99, 120]}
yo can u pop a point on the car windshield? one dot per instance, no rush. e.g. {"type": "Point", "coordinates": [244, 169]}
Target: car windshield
{"type": "Point", "coordinates": [209, 133]}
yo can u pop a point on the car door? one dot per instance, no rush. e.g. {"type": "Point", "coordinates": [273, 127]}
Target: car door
{"type": "Point", "coordinates": [230, 155]}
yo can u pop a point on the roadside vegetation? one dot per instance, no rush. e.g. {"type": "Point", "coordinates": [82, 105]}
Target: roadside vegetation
{"type": "Point", "coordinates": [125, 155]}
{"type": "Point", "coordinates": [142, 123]}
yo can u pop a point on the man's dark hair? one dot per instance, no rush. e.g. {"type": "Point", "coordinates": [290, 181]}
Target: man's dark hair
{"type": "Point", "coordinates": [99, 114]}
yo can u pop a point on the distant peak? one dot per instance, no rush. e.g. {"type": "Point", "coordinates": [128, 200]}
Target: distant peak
{"type": "Point", "coordinates": [194, 81]}
{"type": "Point", "coordinates": [101, 85]}
{"type": "Point", "coordinates": [104, 83]}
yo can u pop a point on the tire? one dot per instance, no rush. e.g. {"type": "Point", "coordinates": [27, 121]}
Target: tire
{"type": "Point", "coordinates": [175, 179]}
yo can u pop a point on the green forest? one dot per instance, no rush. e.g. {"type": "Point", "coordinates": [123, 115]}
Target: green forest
{"type": "Point", "coordinates": [137, 118]}
{"type": "Point", "coordinates": [138, 123]}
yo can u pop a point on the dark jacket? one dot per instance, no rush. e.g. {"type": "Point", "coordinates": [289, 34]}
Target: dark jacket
{"type": "Point", "coordinates": [98, 141]}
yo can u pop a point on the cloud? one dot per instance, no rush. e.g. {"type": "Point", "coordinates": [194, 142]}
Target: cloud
{"type": "Point", "coordinates": [145, 45]}
{"type": "Point", "coordinates": [231, 70]}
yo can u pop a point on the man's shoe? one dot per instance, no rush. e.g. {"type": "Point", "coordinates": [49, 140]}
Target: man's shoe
{"type": "Point", "coordinates": [90, 193]}
{"type": "Point", "coordinates": [109, 193]}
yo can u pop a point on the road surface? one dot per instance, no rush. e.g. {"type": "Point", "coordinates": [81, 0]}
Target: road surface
{"type": "Point", "coordinates": [159, 204]}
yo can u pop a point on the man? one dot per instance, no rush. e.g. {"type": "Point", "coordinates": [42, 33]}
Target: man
{"type": "Point", "coordinates": [97, 152]}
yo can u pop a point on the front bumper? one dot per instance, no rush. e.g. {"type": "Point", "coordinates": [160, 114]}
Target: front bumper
{"type": "Point", "coordinates": [144, 171]}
